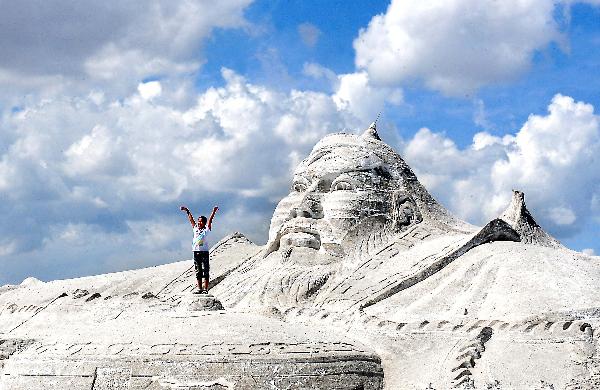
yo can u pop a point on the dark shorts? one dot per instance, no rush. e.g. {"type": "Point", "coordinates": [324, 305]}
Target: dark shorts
{"type": "Point", "coordinates": [201, 264]}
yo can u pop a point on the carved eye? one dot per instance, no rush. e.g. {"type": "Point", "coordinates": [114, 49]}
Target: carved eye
{"type": "Point", "coordinates": [342, 186]}
{"type": "Point", "coordinates": [299, 186]}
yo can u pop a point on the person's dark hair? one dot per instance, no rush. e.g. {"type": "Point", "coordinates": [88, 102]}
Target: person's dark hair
{"type": "Point", "coordinates": [203, 219]}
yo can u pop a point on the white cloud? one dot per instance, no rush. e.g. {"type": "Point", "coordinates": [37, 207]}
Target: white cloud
{"type": "Point", "coordinates": [588, 251]}
{"type": "Point", "coordinates": [455, 46]}
{"type": "Point", "coordinates": [149, 90]}
{"type": "Point", "coordinates": [8, 248]}
{"type": "Point", "coordinates": [309, 33]}
{"type": "Point", "coordinates": [356, 94]}
{"type": "Point", "coordinates": [562, 215]}
{"type": "Point", "coordinates": [153, 235]}
{"type": "Point", "coordinates": [318, 71]}
{"type": "Point", "coordinates": [483, 140]}
{"type": "Point", "coordinates": [553, 158]}
{"type": "Point", "coordinates": [97, 153]}
{"type": "Point", "coordinates": [480, 115]}
{"type": "Point", "coordinates": [62, 46]}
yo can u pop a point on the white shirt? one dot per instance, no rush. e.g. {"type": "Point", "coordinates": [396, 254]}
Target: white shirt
{"type": "Point", "coordinates": [200, 243]}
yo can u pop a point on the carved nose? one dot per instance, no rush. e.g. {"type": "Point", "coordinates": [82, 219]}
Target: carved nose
{"type": "Point", "coordinates": [310, 207]}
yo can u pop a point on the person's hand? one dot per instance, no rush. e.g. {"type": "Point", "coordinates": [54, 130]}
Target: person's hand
{"type": "Point", "coordinates": [215, 208]}
{"type": "Point", "coordinates": [183, 208]}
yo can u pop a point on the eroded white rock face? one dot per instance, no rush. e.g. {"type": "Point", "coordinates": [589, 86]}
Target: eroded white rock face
{"type": "Point", "coordinates": [517, 215]}
{"type": "Point", "coordinates": [30, 281]}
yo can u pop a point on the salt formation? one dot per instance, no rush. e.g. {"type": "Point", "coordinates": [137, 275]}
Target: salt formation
{"type": "Point", "coordinates": [521, 220]}
{"type": "Point", "coordinates": [366, 282]}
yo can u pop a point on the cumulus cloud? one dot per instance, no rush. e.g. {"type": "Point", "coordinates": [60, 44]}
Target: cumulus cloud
{"type": "Point", "coordinates": [58, 45]}
{"type": "Point", "coordinates": [553, 158]}
{"type": "Point", "coordinates": [98, 153]}
{"type": "Point", "coordinates": [562, 215]}
{"type": "Point", "coordinates": [356, 94]}
{"type": "Point", "coordinates": [455, 46]}
{"type": "Point", "coordinates": [149, 90]}
{"type": "Point", "coordinates": [318, 71]}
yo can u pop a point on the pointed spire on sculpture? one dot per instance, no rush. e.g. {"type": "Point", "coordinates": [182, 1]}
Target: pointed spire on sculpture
{"type": "Point", "coordinates": [371, 132]}
{"type": "Point", "coordinates": [519, 218]}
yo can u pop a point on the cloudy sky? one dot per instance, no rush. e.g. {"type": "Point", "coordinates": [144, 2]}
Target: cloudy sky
{"type": "Point", "coordinates": [113, 114]}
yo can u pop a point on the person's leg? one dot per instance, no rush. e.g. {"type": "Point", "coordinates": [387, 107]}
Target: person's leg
{"type": "Point", "coordinates": [205, 269]}
{"type": "Point", "coordinates": [198, 269]}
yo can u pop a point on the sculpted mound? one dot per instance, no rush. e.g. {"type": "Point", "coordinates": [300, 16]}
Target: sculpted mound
{"type": "Point", "coordinates": [365, 282]}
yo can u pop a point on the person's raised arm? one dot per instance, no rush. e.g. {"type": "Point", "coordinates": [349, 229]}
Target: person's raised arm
{"type": "Point", "coordinates": [212, 215]}
{"type": "Point", "coordinates": [189, 215]}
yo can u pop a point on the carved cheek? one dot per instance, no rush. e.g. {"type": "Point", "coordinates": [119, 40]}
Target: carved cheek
{"type": "Point", "coordinates": [342, 210]}
{"type": "Point", "coordinates": [282, 212]}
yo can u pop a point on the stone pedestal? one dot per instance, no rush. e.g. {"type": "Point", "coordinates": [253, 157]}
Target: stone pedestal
{"type": "Point", "coordinates": [202, 302]}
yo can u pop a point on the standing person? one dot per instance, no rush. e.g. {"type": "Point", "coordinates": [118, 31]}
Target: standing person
{"type": "Point", "coordinates": [200, 247]}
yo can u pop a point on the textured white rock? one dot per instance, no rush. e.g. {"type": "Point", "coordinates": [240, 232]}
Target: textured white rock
{"type": "Point", "coordinates": [203, 302]}
{"type": "Point", "coordinates": [30, 281]}
{"type": "Point", "coordinates": [517, 215]}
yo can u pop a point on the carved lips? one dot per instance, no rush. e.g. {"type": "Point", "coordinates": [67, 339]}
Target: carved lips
{"type": "Point", "coordinates": [300, 232]}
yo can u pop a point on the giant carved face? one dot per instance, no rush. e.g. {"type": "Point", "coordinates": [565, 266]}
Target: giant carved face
{"type": "Point", "coordinates": [344, 192]}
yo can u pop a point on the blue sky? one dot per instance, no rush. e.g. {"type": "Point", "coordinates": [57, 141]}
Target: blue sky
{"type": "Point", "coordinates": [114, 114]}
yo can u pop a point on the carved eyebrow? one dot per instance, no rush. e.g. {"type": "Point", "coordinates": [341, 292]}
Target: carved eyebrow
{"type": "Point", "coordinates": [344, 176]}
{"type": "Point", "coordinates": [318, 155]}
{"type": "Point", "coordinates": [328, 150]}
{"type": "Point", "coordinates": [381, 171]}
